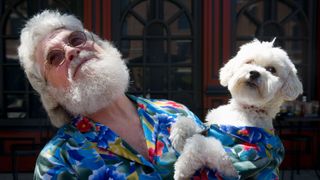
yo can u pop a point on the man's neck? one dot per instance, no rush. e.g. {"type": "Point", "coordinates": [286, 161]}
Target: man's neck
{"type": "Point", "coordinates": [121, 116]}
{"type": "Point", "coordinates": [119, 111]}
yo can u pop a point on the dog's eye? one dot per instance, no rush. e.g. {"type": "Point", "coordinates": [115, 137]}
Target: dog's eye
{"type": "Point", "coordinates": [249, 61]}
{"type": "Point", "coordinates": [271, 69]}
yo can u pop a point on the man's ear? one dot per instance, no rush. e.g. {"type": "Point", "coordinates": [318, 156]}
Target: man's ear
{"type": "Point", "coordinates": [226, 72]}
{"type": "Point", "coordinates": [292, 87]}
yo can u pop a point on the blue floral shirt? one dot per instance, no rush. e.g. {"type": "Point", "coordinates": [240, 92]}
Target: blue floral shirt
{"type": "Point", "coordinates": [84, 149]}
{"type": "Point", "coordinates": [256, 153]}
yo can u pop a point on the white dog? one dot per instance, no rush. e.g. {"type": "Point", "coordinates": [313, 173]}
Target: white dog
{"type": "Point", "coordinates": [241, 142]}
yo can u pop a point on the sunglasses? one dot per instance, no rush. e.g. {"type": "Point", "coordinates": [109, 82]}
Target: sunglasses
{"type": "Point", "coordinates": [56, 57]}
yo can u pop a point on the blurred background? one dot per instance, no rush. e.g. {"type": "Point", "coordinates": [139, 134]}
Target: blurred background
{"type": "Point", "coordinates": [174, 49]}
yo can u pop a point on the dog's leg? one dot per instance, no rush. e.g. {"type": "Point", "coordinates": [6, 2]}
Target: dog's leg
{"type": "Point", "coordinates": [191, 158]}
{"type": "Point", "coordinates": [217, 158]}
{"type": "Point", "coordinates": [199, 152]}
{"type": "Point", "coordinates": [182, 130]}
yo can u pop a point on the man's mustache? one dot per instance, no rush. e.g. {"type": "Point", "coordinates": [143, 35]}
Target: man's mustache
{"type": "Point", "coordinates": [81, 58]}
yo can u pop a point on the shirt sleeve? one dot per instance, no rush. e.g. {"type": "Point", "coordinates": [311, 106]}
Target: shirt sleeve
{"type": "Point", "coordinates": [52, 169]}
{"type": "Point", "coordinates": [69, 156]}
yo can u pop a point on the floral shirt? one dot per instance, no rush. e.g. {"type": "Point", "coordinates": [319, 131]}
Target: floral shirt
{"type": "Point", "coordinates": [256, 153]}
{"type": "Point", "coordinates": [84, 149]}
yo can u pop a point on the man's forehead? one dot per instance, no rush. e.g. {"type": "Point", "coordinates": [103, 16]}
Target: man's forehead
{"type": "Point", "coordinates": [53, 38]}
{"type": "Point", "coordinates": [54, 33]}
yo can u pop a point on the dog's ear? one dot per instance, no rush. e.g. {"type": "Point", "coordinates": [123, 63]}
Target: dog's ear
{"type": "Point", "coordinates": [292, 86]}
{"type": "Point", "coordinates": [226, 72]}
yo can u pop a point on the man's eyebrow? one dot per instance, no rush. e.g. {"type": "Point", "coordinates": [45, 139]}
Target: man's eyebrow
{"type": "Point", "coordinates": [55, 33]}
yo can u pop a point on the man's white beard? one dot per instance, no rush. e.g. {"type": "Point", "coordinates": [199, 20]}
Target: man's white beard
{"type": "Point", "coordinates": [99, 82]}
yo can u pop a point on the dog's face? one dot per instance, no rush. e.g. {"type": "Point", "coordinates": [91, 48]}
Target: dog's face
{"type": "Point", "coordinates": [260, 73]}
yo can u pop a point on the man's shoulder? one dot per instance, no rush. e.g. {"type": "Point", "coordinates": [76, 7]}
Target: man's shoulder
{"type": "Point", "coordinates": [70, 153]}
{"type": "Point", "coordinates": [66, 137]}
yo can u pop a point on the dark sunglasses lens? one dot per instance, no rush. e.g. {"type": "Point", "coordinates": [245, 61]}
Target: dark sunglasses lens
{"type": "Point", "coordinates": [55, 57]}
{"type": "Point", "coordinates": [77, 38]}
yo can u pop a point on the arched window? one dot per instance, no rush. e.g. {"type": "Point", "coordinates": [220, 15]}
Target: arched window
{"type": "Point", "coordinates": [159, 39]}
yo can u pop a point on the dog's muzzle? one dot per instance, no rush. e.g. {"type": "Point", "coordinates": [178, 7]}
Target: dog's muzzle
{"type": "Point", "coordinates": [254, 75]}
{"type": "Point", "coordinates": [253, 80]}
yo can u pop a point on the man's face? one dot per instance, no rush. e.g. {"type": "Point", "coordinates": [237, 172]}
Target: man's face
{"type": "Point", "coordinates": [57, 51]}
{"type": "Point", "coordinates": [86, 77]}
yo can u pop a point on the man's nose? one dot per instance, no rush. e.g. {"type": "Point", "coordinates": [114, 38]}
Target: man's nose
{"type": "Point", "coordinates": [71, 52]}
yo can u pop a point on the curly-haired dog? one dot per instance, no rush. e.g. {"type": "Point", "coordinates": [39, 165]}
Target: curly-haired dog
{"type": "Point", "coordinates": [241, 142]}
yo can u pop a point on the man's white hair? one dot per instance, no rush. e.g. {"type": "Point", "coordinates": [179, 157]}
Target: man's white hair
{"type": "Point", "coordinates": [34, 31]}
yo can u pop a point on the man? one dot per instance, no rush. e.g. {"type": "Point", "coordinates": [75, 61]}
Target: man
{"type": "Point", "coordinates": [103, 133]}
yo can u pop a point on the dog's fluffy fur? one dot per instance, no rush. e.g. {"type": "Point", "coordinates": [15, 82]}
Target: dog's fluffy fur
{"type": "Point", "coordinates": [260, 78]}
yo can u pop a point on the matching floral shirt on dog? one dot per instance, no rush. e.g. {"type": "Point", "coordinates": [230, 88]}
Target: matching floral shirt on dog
{"type": "Point", "coordinates": [256, 153]}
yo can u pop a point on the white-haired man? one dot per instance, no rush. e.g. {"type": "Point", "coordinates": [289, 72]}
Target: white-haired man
{"type": "Point", "coordinates": [103, 133]}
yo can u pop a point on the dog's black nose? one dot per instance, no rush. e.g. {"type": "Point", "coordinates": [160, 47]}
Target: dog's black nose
{"type": "Point", "coordinates": [254, 75]}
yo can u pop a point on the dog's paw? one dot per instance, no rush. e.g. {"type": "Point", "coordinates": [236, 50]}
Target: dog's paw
{"type": "Point", "coordinates": [180, 176]}
{"type": "Point", "coordinates": [181, 131]}
{"type": "Point", "coordinates": [217, 158]}
{"type": "Point", "coordinates": [226, 167]}
{"type": "Point", "coordinates": [181, 168]}
{"type": "Point", "coordinates": [191, 158]}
